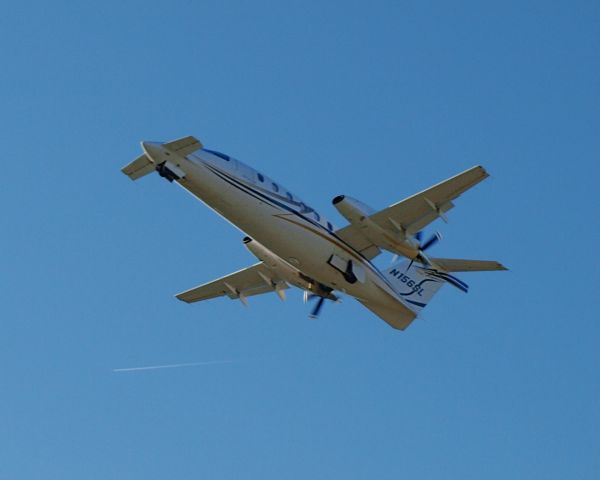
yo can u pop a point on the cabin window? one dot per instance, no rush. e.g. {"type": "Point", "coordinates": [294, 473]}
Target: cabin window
{"type": "Point", "coordinates": [260, 177]}
{"type": "Point", "coordinates": [317, 216]}
{"type": "Point", "coordinates": [330, 226]}
{"type": "Point", "coordinates": [275, 187]}
{"type": "Point", "coordinates": [290, 198]}
{"type": "Point", "coordinates": [218, 154]}
{"type": "Point", "coordinates": [304, 208]}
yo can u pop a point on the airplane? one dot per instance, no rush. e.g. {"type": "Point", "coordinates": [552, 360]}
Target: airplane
{"type": "Point", "coordinates": [297, 246]}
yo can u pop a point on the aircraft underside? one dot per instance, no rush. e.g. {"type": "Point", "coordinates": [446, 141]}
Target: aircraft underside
{"type": "Point", "coordinates": [296, 246]}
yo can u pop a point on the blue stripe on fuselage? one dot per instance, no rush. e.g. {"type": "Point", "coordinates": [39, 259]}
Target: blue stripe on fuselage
{"type": "Point", "coordinates": [275, 203]}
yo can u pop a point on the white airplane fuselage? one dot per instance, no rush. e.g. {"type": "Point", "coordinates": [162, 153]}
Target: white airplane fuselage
{"type": "Point", "coordinates": [263, 209]}
{"type": "Point", "coordinates": [298, 247]}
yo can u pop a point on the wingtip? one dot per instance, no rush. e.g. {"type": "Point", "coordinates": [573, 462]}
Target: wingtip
{"type": "Point", "coordinates": [484, 172]}
{"type": "Point", "coordinates": [180, 297]}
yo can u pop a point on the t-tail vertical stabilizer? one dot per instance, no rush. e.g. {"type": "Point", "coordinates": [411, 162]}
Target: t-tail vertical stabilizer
{"type": "Point", "coordinates": [415, 285]}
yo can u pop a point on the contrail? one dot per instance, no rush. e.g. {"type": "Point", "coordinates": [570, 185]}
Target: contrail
{"type": "Point", "coordinates": [173, 365]}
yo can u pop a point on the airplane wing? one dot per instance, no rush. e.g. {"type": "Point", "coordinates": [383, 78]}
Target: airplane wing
{"type": "Point", "coordinates": [244, 283]}
{"type": "Point", "coordinates": [356, 239]}
{"type": "Point", "coordinates": [413, 213]}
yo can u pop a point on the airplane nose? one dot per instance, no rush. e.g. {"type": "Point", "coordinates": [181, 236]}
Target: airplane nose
{"type": "Point", "coordinates": [154, 150]}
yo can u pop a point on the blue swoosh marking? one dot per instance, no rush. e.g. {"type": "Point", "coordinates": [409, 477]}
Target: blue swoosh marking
{"type": "Point", "coordinates": [417, 286]}
{"type": "Point", "coordinates": [418, 304]}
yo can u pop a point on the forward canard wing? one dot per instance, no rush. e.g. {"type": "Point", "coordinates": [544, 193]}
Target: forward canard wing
{"type": "Point", "coordinates": [244, 283]}
{"type": "Point", "coordinates": [144, 165]}
{"type": "Point", "coordinates": [184, 146]}
{"type": "Point", "coordinates": [413, 213]}
{"type": "Point", "coordinates": [140, 167]}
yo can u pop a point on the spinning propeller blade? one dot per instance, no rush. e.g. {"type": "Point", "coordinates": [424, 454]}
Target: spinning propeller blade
{"type": "Point", "coordinates": [431, 241]}
{"type": "Point", "coordinates": [317, 308]}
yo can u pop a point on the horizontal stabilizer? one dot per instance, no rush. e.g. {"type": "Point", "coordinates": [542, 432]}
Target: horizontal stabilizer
{"type": "Point", "coordinates": [139, 167]}
{"type": "Point", "coordinates": [459, 265]}
{"type": "Point", "coordinates": [184, 146]}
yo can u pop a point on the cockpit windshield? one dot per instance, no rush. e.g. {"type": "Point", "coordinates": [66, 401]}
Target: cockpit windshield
{"type": "Point", "coordinates": [218, 154]}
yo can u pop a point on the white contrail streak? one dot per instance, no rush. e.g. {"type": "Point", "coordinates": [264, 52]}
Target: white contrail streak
{"type": "Point", "coordinates": [173, 365]}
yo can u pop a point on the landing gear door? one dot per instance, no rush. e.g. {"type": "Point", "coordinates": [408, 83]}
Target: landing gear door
{"type": "Point", "coordinates": [338, 263]}
{"type": "Point", "coordinates": [351, 271]}
{"type": "Point", "coordinates": [359, 272]}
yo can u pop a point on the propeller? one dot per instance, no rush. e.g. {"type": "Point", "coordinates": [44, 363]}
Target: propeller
{"type": "Point", "coordinates": [436, 237]}
{"type": "Point", "coordinates": [314, 313]}
{"type": "Point", "coordinates": [317, 308]}
{"type": "Point", "coordinates": [430, 242]}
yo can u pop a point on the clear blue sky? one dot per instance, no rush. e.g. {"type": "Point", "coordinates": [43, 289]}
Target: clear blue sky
{"type": "Point", "coordinates": [372, 99]}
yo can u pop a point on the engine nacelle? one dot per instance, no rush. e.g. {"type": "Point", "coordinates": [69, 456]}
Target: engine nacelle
{"type": "Point", "coordinates": [353, 210]}
{"type": "Point", "coordinates": [358, 214]}
{"type": "Point", "coordinates": [262, 253]}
